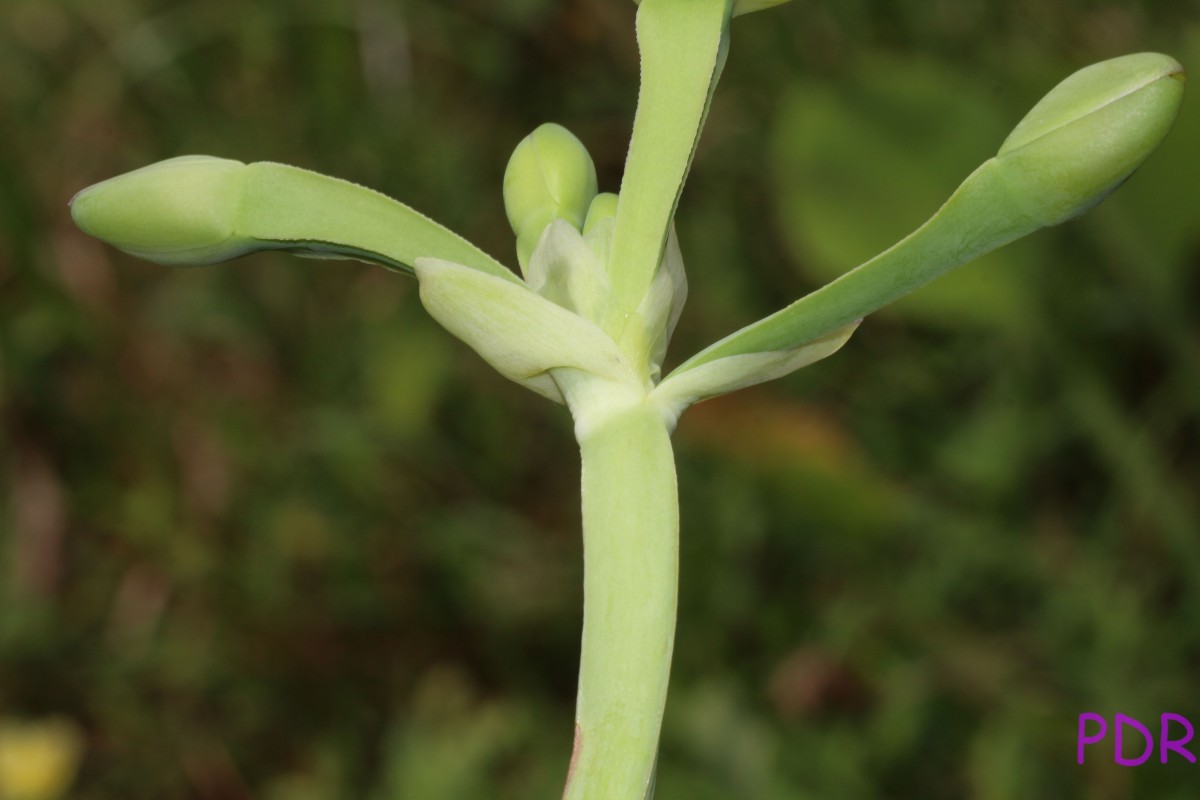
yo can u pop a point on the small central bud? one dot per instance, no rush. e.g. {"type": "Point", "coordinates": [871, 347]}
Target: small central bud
{"type": "Point", "coordinates": [550, 176]}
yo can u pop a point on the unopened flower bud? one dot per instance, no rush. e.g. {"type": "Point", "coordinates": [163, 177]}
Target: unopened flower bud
{"type": "Point", "coordinates": [181, 211]}
{"type": "Point", "coordinates": [1085, 137]}
{"type": "Point", "coordinates": [603, 207]}
{"type": "Point", "coordinates": [550, 176]}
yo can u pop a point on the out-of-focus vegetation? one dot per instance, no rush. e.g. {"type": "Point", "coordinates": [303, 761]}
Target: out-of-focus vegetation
{"type": "Point", "coordinates": [266, 531]}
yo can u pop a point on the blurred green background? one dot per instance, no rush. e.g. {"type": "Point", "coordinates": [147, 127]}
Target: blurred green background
{"type": "Point", "coordinates": [267, 532]}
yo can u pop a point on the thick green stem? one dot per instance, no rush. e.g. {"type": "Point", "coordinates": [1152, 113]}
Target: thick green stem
{"type": "Point", "coordinates": [631, 569]}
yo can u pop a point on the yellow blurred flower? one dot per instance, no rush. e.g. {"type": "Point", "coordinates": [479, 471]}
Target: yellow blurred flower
{"type": "Point", "coordinates": [38, 760]}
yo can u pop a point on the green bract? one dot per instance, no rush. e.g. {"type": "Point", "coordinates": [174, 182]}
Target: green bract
{"type": "Point", "coordinates": [523, 335]}
{"type": "Point", "coordinates": [604, 284]}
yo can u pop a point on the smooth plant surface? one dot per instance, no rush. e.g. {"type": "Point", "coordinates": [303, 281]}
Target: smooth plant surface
{"type": "Point", "coordinates": [648, 365]}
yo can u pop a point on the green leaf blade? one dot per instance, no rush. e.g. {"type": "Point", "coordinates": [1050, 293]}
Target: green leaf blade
{"type": "Point", "coordinates": [683, 43]}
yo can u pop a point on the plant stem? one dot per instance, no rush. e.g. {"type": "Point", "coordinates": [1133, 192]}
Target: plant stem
{"type": "Point", "coordinates": [631, 571]}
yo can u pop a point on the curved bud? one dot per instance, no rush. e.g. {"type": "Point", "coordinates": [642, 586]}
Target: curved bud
{"type": "Point", "coordinates": [746, 6]}
{"type": "Point", "coordinates": [1070, 152]}
{"type": "Point", "coordinates": [1085, 138]}
{"type": "Point", "coordinates": [550, 176]}
{"type": "Point", "coordinates": [179, 211]}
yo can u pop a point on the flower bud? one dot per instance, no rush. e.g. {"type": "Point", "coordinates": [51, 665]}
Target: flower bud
{"type": "Point", "coordinates": [603, 207]}
{"type": "Point", "coordinates": [1089, 134]}
{"type": "Point", "coordinates": [550, 176]}
{"type": "Point", "coordinates": [181, 211]}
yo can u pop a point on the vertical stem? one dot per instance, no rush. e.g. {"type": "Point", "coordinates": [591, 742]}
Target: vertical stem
{"type": "Point", "coordinates": [631, 569]}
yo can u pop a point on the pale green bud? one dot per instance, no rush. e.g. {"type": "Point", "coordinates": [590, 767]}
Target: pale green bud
{"type": "Point", "coordinates": [1085, 137]}
{"type": "Point", "coordinates": [179, 211]}
{"type": "Point", "coordinates": [550, 176]}
{"type": "Point", "coordinates": [603, 207]}
{"type": "Point", "coordinates": [746, 6]}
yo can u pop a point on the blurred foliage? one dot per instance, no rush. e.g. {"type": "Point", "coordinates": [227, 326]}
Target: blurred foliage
{"type": "Point", "coordinates": [266, 531]}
